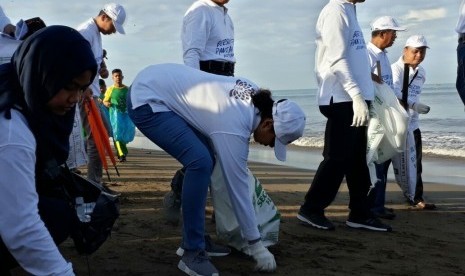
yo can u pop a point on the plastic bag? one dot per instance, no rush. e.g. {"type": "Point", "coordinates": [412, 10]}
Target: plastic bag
{"type": "Point", "coordinates": [96, 207]}
{"type": "Point", "coordinates": [387, 128]}
{"type": "Point", "coordinates": [227, 227]}
{"type": "Point", "coordinates": [405, 168]}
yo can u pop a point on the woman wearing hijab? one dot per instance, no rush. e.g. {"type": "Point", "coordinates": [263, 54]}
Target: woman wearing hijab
{"type": "Point", "coordinates": [39, 89]}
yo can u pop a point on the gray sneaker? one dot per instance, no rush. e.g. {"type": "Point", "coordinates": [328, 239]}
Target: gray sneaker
{"type": "Point", "coordinates": [197, 263]}
{"type": "Point", "coordinates": [212, 249]}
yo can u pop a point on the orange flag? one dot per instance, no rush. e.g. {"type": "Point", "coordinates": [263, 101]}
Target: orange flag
{"type": "Point", "coordinates": [100, 135]}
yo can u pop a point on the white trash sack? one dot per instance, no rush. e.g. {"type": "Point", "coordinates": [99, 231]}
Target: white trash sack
{"type": "Point", "coordinates": [227, 227]}
{"type": "Point", "coordinates": [405, 168]}
{"type": "Point", "coordinates": [387, 128]}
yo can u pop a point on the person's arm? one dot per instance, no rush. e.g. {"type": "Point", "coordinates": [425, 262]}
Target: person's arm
{"type": "Point", "coordinates": [335, 36]}
{"type": "Point", "coordinates": [194, 36]}
{"type": "Point", "coordinates": [397, 81]}
{"type": "Point", "coordinates": [232, 153]}
{"type": "Point", "coordinates": [107, 97]}
{"type": "Point", "coordinates": [21, 227]}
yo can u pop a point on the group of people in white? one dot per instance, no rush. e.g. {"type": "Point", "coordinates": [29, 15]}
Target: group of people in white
{"type": "Point", "coordinates": [203, 116]}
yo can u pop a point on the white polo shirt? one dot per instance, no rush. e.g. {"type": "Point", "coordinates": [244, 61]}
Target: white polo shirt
{"type": "Point", "coordinates": [414, 90]}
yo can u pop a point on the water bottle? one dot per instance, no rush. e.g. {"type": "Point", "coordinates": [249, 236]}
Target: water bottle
{"type": "Point", "coordinates": [81, 210]}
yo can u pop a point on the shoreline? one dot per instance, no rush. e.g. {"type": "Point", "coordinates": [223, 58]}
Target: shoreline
{"type": "Point", "coordinates": [446, 170]}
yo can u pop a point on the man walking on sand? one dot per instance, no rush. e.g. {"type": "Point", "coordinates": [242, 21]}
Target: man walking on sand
{"type": "Point", "coordinates": [345, 87]}
{"type": "Point", "coordinates": [108, 21]}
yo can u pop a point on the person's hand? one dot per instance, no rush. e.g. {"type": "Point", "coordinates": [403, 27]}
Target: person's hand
{"type": "Point", "coordinates": [107, 104]}
{"type": "Point", "coordinates": [376, 78]}
{"type": "Point", "coordinates": [360, 111]}
{"type": "Point", "coordinates": [87, 95]}
{"type": "Point", "coordinates": [421, 108]}
{"type": "Point", "coordinates": [265, 260]}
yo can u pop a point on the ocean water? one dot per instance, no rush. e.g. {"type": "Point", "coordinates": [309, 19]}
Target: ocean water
{"type": "Point", "coordinates": [443, 128]}
{"type": "Point", "coordinates": [443, 131]}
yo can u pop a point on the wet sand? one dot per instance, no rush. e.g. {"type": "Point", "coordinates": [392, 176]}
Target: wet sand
{"type": "Point", "coordinates": [422, 242]}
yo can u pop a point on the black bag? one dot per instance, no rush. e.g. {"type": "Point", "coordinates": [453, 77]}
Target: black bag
{"type": "Point", "coordinates": [97, 209]}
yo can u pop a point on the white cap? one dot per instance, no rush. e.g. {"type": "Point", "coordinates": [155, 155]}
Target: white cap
{"type": "Point", "coordinates": [386, 23]}
{"type": "Point", "coordinates": [289, 124]}
{"type": "Point", "coordinates": [117, 13]}
{"type": "Point", "coordinates": [416, 41]}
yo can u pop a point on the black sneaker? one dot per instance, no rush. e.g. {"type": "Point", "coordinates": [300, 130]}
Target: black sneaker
{"type": "Point", "coordinates": [373, 224]}
{"type": "Point", "coordinates": [315, 220]}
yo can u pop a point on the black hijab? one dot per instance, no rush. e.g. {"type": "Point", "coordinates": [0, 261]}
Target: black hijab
{"type": "Point", "coordinates": [41, 66]}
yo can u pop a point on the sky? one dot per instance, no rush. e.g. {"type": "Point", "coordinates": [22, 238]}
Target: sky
{"type": "Point", "coordinates": [274, 39]}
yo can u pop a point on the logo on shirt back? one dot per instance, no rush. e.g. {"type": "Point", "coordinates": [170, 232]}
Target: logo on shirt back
{"type": "Point", "coordinates": [358, 41]}
{"type": "Point", "coordinates": [242, 91]}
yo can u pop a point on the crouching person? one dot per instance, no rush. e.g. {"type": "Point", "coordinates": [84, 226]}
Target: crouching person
{"type": "Point", "coordinates": [196, 117]}
{"type": "Point", "coordinates": [38, 91]}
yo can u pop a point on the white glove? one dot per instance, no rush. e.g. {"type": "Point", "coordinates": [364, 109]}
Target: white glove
{"type": "Point", "coordinates": [420, 108]}
{"type": "Point", "coordinates": [360, 111]}
{"type": "Point", "coordinates": [265, 260]}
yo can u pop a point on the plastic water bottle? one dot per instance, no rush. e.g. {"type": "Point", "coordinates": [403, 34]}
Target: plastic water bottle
{"type": "Point", "coordinates": [81, 210]}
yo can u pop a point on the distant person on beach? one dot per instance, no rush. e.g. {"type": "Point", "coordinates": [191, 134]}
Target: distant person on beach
{"type": "Point", "coordinates": [345, 87]}
{"type": "Point", "coordinates": [108, 21]}
{"type": "Point", "coordinates": [208, 37]}
{"type": "Point", "coordinates": [383, 34]}
{"type": "Point", "coordinates": [197, 117]}
{"type": "Point", "coordinates": [38, 92]}
{"type": "Point", "coordinates": [413, 54]}
{"type": "Point", "coordinates": [121, 124]}
{"type": "Point", "coordinates": [460, 29]}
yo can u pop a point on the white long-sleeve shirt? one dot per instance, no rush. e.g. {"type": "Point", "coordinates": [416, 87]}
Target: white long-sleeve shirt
{"type": "Point", "coordinates": [89, 30]}
{"type": "Point", "coordinates": [207, 34]}
{"type": "Point", "coordinates": [21, 227]}
{"type": "Point", "coordinates": [460, 27]}
{"type": "Point", "coordinates": [342, 67]}
{"type": "Point", "coordinates": [414, 90]}
{"type": "Point", "coordinates": [220, 108]}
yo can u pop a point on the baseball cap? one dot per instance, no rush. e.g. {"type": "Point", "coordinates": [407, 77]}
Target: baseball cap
{"type": "Point", "coordinates": [416, 41]}
{"type": "Point", "coordinates": [386, 23]}
{"type": "Point", "coordinates": [289, 124]}
{"type": "Point", "coordinates": [117, 13]}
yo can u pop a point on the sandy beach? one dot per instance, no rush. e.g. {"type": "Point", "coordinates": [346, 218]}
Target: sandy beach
{"type": "Point", "coordinates": [422, 242]}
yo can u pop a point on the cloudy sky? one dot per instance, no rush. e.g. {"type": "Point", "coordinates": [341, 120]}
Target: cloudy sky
{"type": "Point", "coordinates": [274, 43]}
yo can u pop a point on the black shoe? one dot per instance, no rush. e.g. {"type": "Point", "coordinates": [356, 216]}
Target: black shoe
{"type": "Point", "coordinates": [315, 220]}
{"type": "Point", "coordinates": [385, 214]}
{"type": "Point", "coordinates": [373, 224]}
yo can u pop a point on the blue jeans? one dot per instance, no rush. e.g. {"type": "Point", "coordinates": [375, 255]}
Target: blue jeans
{"type": "Point", "coordinates": [192, 149]}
